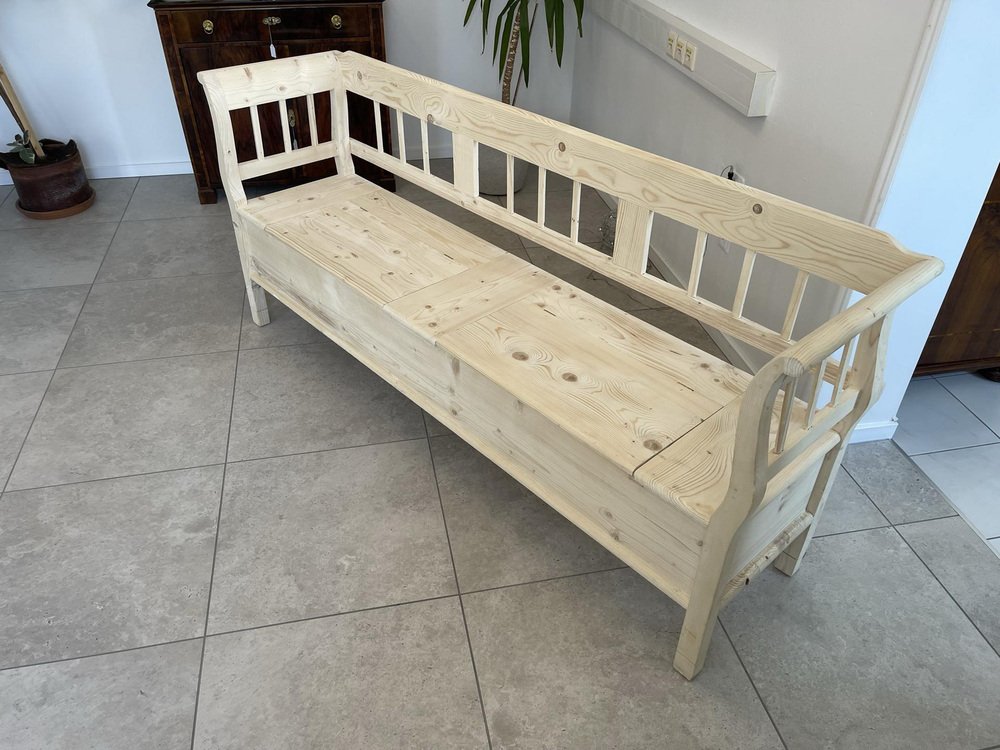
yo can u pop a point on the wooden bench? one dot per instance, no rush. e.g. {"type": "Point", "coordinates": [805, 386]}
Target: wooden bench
{"type": "Point", "coordinates": [695, 473]}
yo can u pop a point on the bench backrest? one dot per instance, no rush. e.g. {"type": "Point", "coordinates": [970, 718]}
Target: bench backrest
{"type": "Point", "coordinates": [840, 375]}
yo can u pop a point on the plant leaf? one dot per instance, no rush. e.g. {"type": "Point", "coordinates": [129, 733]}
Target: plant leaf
{"type": "Point", "coordinates": [27, 156]}
{"type": "Point", "coordinates": [525, 39]}
{"type": "Point", "coordinates": [486, 21]}
{"type": "Point", "coordinates": [499, 30]}
{"type": "Point", "coordinates": [579, 15]}
{"type": "Point", "coordinates": [468, 12]}
{"type": "Point", "coordinates": [550, 10]}
{"type": "Point", "coordinates": [560, 34]}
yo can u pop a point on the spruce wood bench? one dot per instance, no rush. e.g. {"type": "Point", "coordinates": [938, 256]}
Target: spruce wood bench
{"type": "Point", "coordinates": [694, 473]}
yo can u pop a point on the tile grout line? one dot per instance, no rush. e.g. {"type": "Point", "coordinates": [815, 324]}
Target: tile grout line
{"type": "Point", "coordinates": [113, 652]}
{"type": "Point", "coordinates": [949, 450]}
{"type": "Point", "coordinates": [864, 492]}
{"type": "Point", "coordinates": [149, 279]}
{"type": "Point", "coordinates": [930, 481]}
{"type": "Point", "coordinates": [753, 684]}
{"type": "Point", "coordinates": [217, 463]}
{"type": "Point", "coordinates": [967, 408]}
{"type": "Point", "coordinates": [950, 595]}
{"type": "Point", "coordinates": [458, 587]}
{"type": "Point", "coordinates": [76, 321]}
{"type": "Point", "coordinates": [917, 555]}
{"type": "Point", "coordinates": [501, 587]}
{"type": "Point", "coordinates": [218, 530]}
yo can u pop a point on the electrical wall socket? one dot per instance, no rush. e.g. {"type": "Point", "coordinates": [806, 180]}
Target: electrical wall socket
{"type": "Point", "coordinates": [683, 51]}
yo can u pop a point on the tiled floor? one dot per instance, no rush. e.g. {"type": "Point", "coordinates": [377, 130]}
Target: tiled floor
{"type": "Point", "coordinates": [950, 426]}
{"type": "Point", "coordinates": [219, 536]}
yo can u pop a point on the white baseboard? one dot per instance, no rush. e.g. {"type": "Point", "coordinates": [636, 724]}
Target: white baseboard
{"type": "Point", "coordinates": [108, 171]}
{"type": "Point", "coordinates": [866, 432]}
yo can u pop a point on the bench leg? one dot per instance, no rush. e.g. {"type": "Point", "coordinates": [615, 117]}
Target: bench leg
{"type": "Point", "coordinates": [696, 634]}
{"type": "Point", "coordinates": [704, 601]}
{"type": "Point", "coordinates": [788, 562]}
{"type": "Point", "coordinates": [258, 304]}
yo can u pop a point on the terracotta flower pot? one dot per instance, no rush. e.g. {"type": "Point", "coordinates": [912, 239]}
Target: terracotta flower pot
{"type": "Point", "coordinates": [53, 188]}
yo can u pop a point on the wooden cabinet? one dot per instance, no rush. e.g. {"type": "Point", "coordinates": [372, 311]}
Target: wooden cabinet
{"type": "Point", "coordinates": [966, 334]}
{"type": "Point", "coordinates": [204, 34]}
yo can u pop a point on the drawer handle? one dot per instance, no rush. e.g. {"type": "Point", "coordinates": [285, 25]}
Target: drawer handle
{"type": "Point", "coordinates": [337, 21]}
{"type": "Point", "coordinates": [208, 26]}
{"type": "Point", "coordinates": [272, 21]}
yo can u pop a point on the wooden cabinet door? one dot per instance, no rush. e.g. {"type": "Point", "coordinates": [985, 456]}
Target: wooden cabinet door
{"type": "Point", "coordinates": [966, 334]}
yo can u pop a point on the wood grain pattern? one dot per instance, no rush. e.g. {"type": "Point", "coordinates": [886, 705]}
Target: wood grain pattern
{"type": "Point", "coordinates": [694, 473]}
{"type": "Point", "coordinates": [828, 246]}
{"type": "Point", "coordinates": [628, 407]}
{"type": "Point", "coordinates": [632, 232]}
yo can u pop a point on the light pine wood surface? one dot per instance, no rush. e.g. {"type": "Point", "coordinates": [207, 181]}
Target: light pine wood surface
{"type": "Point", "coordinates": [694, 473]}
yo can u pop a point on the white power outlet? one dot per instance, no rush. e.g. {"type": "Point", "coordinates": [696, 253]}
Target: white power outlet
{"type": "Point", "coordinates": [681, 50]}
{"type": "Point", "coordinates": [690, 53]}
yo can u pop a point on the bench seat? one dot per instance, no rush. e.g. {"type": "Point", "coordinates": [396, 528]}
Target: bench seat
{"type": "Point", "coordinates": [692, 472]}
{"type": "Point", "coordinates": [625, 388]}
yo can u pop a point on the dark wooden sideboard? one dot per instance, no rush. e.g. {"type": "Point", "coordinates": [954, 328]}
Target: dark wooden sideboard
{"type": "Point", "coordinates": [204, 34]}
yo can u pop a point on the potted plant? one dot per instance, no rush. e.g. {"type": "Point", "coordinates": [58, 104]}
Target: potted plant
{"type": "Point", "coordinates": [48, 175]}
{"type": "Point", "coordinates": [511, 34]}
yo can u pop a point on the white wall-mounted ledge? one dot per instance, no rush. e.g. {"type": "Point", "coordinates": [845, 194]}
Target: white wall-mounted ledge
{"type": "Point", "coordinates": [739, 80]}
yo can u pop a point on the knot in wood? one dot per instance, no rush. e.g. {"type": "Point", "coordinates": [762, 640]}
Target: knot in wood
{"type": "Point", "coordinates": [562, 146]}
{"type": "Point", "coordinates": [519, 356]}
{"type": "Point", "coordinates": [757, 208]}
{"type": "Point", "coordinates": [569, 377]}
{"type": "Point", "coordinates": [652, 445]}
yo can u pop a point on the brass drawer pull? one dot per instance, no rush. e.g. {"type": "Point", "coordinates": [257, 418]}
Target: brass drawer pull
{"type": "Point", "coordinates": [272, 21]}
{"type": "Point", "coordinates": [208, 26]}
{"type": "Point", "coordinates": [337, 21]}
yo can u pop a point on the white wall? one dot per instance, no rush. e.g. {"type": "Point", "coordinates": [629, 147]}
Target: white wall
{"type": "Point", "coordinates": [428, 37]}
{"type": "Point", "coordinates": [842, 71]}
{"type": "Point", "coordinates": [948, 159]}
{"type": "Point", "coordinates": [95, 72]}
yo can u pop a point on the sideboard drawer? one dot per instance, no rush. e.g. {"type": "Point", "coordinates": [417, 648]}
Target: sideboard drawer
{"type": "Point", "coordinates": [223, 26]}
{"type": "Point", "coordinates": [215, 25]}
{"type": "Point", "coordinates": [322, 23]}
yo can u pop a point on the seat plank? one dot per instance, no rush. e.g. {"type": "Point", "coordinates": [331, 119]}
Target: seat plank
{"type": "Point", "coordinates": [567, 355]}
{"type": "Point", "coordinates": [382, 245]}
{"type": "Point", "coordinates": [473, 294]}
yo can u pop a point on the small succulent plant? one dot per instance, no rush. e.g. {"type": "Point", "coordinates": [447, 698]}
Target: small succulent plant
{"type": "Point", "coordinates": [22, 147]}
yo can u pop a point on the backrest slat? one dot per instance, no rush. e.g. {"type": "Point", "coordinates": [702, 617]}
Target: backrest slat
{"type": "Point", "coordinates": [743, 286]}
{"type": "Point", "coordinates": [574, 220]}
{"type": "Point", "coordinates": [632, 231]}
{"type": "Point", "coordinates": [694, 278]}
{"type": "Point", "coordinates": [286, 135]}
{"type": "Point", "coordinates": [794, 305]}
{"type": "Point", "coordinates": [311, 113]}
{"type": "Point", "coordinates": [425, 146]}
{"type": "Point", "coordinates": [509, 167]}
{"type": "Point", "coordinates": [465, 154]}
{"type": "Point", "coordinates": [379, 138]}
{"type": "Point", "coordinates": [401, 134]}
{"type": "Point", "coordinates": [542, 197]}
{"type": "Point", "coordinates": [258, 140]}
